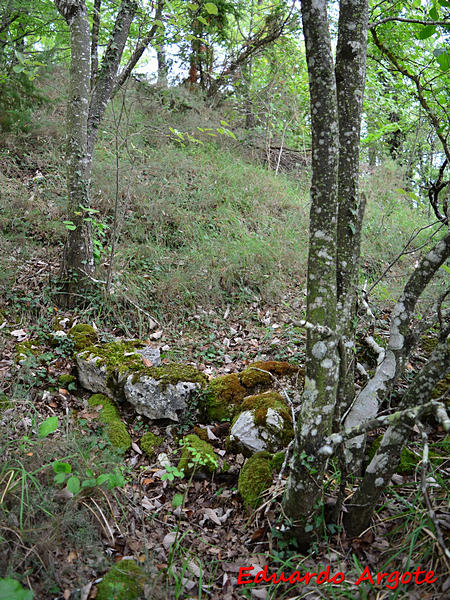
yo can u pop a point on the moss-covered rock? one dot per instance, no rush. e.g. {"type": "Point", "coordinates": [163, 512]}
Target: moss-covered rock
{"type": "Point", "coordinates": [83, 335]}
{"type": "Point", "coordinates": [121, 358]}
{"type": "Point", "coordinates": [65, 380]}
{"type": "Point", "coordinates": [255, 477]}
{"type": "Point", "coordinates": [109, 411]}
{"type": "Point", "coordinates": [199, 452]}
{"type": "Point", "coordinates": [258, 374]}
{"type": "Point", "coordinates": [149, 442]}
{"type": "Point", "coordinates": [109, 415]}
{"type": "Point", "coordinates": [124, 581]}
{"type": "Point", "coordinates": [118, 435]}
{"type": "Point", "coordinates": [222, 396]}
{"type": "Point", "coordinates": [202, 433]}
{"type": "Point", "coordinates": [26, 349]}
{"type": "Point", "coordinates": [277, 461]}
{"type": "Point", "coordinates": [264, 422]}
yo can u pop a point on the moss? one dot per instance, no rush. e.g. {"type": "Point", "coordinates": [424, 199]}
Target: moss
{"type": "Point", "coordinates": [408, 460]}
{"type": "Point", "coordinates": [28, 348]}
{"type": "Point", "coordinates": [121, 358]}
{"type": "Point", "coordinates": [109, 415]}
{"type": "Point", "coordinates": [222, 396]}
{"type": "Point", "coordinates": [204, 455]}
{"type": "Point", "coordinates": [254, 374]}
{"type": "Point", "coordinates": [277, 461]}
{"type": "Point", "coordinates": [118, 435]}
{"type": "Point", "coordinates": [149, 442]}
{"type": "Point", "coordinates": [259, 404]}
{"type": "Point", "coordinates": [441, 388]}
{"type": "Point", "coordinates": [83, 336]}
{"type": "Point", "coordinates": [202, 433]}
{"type": "Point", "coordinates": [109, 412]}
{"type": "Point", "coordinates": [255, 477]}
{"type": "Point", "coordinates": [65, 380]}
{"type": "Point", "coordinates": [124, 581]}
{"type": "Point", "coordinates": [428, 343]}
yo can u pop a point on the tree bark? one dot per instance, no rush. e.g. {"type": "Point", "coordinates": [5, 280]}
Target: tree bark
{"type": "Point", "coordinates": [350, 81]}
{"type": "Point", "coordinates": [401, 343]}
{"type": "Point", "coordinates": [78, 254]}
{"type": "Point", "coordinates": [319, 397]}
{"type": "Point", "coordinates": [385, 461]}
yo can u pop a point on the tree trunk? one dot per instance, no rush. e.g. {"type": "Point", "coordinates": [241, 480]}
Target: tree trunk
{"type": "Point", "coordinates": [350, 82]}
{"type": "Point", "coordinates": [319, 397]}
{"type": "Point", "coordinates": [383, 465]}
{"type": "Point", "coordinates": [78, 253]}
{"type": "Point", "coordinates": [401, 343]}
{"type": "Point", "coordinates": [162, 67]}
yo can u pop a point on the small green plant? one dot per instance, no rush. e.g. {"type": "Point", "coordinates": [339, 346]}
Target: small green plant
{"type": "Point", "coordinates": [98, 229]}
{"type": "Point", "coordinates": [10, 589]}
{"type": "Point", "coordinates": [76, 483]}
{"type": "Point", "coordinates": [171, 472]}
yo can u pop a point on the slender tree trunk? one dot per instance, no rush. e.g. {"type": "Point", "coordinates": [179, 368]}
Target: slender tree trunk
{"type": "Point", "coordinates": [78, 256]}
{"type": "Point", "coordinates": [94, 43]}
{"type": "Point", "coordinates": [402, 340]}
{"type": "Point", "coordinates": [319, 397]}
{"type": "Point", "coordinates": [350, 81]}
{"type": "Point", "coordinates": [383, 465]}
{"type": "Point", "coordinates": [162, 66]}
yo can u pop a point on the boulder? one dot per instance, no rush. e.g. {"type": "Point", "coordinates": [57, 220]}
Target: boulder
{"type": "Point", "coordinates": [118, 370]}
{"type": "Point", "coordinates": [265, 424]}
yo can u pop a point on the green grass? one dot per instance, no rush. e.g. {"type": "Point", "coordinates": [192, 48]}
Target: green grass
{"type": "Point", "coordinates": [199, 225]}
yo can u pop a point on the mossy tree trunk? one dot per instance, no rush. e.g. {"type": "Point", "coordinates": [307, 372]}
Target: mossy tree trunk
{"type": "Point", "coordinates": [350, 81]}
{"type": "Point", "coordinates": [321, 369]}
{"type": "Point", "coordinates": [78, 260]}
{"type": "Point", "coordinates": [91, 88]}
{"type": "Point", "coordinates": [334, 244]}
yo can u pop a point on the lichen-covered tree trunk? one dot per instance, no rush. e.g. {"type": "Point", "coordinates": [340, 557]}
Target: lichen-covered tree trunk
{"type": "Point", "coordinates": [350, 82]}
{"type": "Point", "coordinates": [78, 255]}
{"type": "Point", "coordinates": [385, 461]}
{"type": "Point", "coordinates": [319, 397]}
{"type": "Point", "coordinates": [402, 341]}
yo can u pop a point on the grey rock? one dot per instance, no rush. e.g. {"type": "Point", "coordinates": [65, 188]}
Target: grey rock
{"type": "Point", "coordinates": [156, 400]}
{"type": "Point", "coordinates": [255, 437]}
{"type": "Point", "coordinates": [151, 354]}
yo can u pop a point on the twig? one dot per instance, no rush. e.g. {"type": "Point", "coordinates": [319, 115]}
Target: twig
{"type": "Point", "coordinates": [403, 252]}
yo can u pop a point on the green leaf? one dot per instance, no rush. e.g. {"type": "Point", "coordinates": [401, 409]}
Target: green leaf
{"type": "Point", "coordinates": [89, 483]}
{"type": "Point", "coordinates": [426, 32]}
{"type": "Point", "coordinates": [48, 426]}
{"type": "Point", "coordinates": [445, 3]}
{"type": "Point", "coordinates": [434, 14]}
{"type": "Point", "coordinates": [61, 467]}
{"type": "Point", "coordinates": [69, 225]}
{"type": "Point", "coordinates": [103, 478]}
{"type": "Point", "coordinates": [444, 61]}
{"type": "Point", "coordinates": [202, 20]}
{"type": "Point", "coordinates": [10, 589]}
{"type": "Point", "coordinates": [446, 269]}
{"type": "Point", "coordinates": [73, 485]}
{"type": "Point", "coordinates": [211, 8]}
{"type": "Point", "coordinates": [18, 68]}
{"type": "Point", "coordinates": [60, 477]}
{"type": "Point", "coordinates": [177, 500]}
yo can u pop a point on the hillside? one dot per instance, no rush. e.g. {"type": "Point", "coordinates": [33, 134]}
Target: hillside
{"type": "Point", "coordinates": [210, 268]}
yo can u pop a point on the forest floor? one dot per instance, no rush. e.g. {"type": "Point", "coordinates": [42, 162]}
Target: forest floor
{"type": "Point", "coordinates": [210, 268]}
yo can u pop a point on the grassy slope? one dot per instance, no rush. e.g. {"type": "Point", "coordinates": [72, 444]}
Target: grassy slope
{"type": "Point", "coordinates": [199, 224]}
